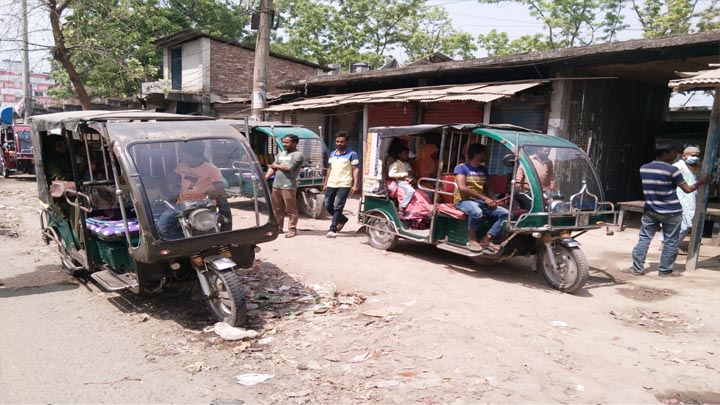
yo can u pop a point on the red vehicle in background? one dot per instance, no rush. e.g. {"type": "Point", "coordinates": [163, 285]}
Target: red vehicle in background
{"type": "Point", "coordinates": [17, 150]}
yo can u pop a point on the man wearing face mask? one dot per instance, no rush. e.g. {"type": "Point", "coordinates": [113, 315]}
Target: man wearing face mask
{"type": "Point", "coordinates": [689, 166]}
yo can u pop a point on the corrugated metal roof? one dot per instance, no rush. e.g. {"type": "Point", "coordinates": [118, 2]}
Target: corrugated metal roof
{"type": "Point", "coordinates": [702, 79]}
{"type": "Point", "coordinates": [479, 92]}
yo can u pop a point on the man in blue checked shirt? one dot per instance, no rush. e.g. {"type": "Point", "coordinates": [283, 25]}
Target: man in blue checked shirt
{"type": "Point", "coordinates": [660, 179]}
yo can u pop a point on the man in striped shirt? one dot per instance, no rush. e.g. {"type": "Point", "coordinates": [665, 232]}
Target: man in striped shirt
{"type": "Point", "coordinates": [660, 179]}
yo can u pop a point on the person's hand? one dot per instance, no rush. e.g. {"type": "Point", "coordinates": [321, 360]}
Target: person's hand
{"type": "Point", "coordinates": [491, 203]}
{"type": "Point", "coordinates": [324, 187]}
{"type": "Point", "coordinates": [705, 180]}
{"type": "Point", "coordinates": [353, 190]}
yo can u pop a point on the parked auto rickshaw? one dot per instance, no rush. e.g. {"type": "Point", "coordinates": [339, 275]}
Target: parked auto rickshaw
{"type": "Point", "coordinates": [542, 221]}
{"type": "Point", "coordinates": [136, 200]}
{"type": "Point", "coordinates": [266, 141]}
{"type": "Point", "coordinates": [16, 154]}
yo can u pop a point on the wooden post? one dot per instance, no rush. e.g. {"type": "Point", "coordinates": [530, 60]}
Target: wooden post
{"type": "Point", "coordinates": [712, 144]}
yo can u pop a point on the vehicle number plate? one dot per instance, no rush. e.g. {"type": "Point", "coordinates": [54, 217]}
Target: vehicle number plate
{"type": "Point", "coordinates": [583, 219]}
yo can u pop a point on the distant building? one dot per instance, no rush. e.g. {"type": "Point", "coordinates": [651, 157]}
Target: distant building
{"type": "Point", "coordinates": [11, 88]}
{"type": "Point", "coordinates": [204, 74]}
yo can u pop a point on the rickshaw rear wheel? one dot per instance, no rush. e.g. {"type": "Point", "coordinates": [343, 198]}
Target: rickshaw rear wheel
{"type": "Point", "coordinates": [227, 297]}
{"type": "Point", "coordinates": [380, 233]}
{"type": "Point", "coordinates": [572, 272]}
{"type": "Point", "coordinates": [4, 170]}
{"type": "Point", "coordinates": [314, 207]}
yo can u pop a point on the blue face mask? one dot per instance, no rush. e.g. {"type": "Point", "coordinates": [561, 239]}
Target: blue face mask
{"type": "Point", "coordinates": [692, 160]}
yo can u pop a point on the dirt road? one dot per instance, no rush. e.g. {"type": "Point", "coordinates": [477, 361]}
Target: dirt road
{"type": "Point", "coordinates": [341, 322]}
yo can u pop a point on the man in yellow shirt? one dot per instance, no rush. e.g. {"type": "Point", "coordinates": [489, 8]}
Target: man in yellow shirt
{"type": "Point", "coordinates": [341, 180]}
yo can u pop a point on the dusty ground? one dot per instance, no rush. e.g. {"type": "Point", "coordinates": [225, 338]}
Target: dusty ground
{"type": "Point", "coordinates": [433, 328]}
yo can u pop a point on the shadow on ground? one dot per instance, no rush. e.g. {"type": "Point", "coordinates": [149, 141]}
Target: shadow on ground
{"type": "Point", "coordinates": [44, 279]}
{"type": "Point", "coordinates": [271, 294]}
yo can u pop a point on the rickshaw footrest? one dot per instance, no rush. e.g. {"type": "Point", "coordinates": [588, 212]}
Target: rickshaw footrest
{"type": "Point", "coordinates": [112, 281]}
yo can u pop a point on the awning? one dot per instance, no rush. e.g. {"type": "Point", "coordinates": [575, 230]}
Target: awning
{"type": "Point", "coordinates": [697, 80]}
{"type": "Point", "coordinates": [478, 92]}
{"type": "Point", "coordinates": [281, 132]}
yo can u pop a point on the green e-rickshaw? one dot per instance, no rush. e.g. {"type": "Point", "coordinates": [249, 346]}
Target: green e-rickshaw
{"type": "Point", "coordinates": [542, 221]}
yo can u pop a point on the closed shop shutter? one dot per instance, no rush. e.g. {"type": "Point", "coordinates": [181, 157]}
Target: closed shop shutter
{"type": "Point", "coordinates": [311, 120]}
{"type": "Point", "coordinates": [453, 113]}
{"type": "Point", "coordinates": [528, 114]}
{"type": "Point", "coordinates": [390, 114]}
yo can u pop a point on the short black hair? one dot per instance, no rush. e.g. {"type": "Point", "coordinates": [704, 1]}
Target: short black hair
{"type": "Point", "coordinates": [474, 149]}
{"type": "Point", "coordinates": [292, 137]}
{"type": "Point", "coordinates": [342, 134]}
{"type": "Point", "coordinates": [662, 148]}
{"type": "Point", "coordinates": [194, 148]}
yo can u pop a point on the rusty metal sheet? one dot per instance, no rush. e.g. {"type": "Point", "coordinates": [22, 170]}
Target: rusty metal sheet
{"type": "Point", "coordinates": [481, 98]}
{"type": "Point", "coordinates": [702, 79]}
{"type": "Point", "coordinates": [507, 89]}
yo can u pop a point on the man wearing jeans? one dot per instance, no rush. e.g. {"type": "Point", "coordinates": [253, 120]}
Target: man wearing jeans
{"type": "Point", "coordinates": [662, 209]}
{"type": "Point", "coordinates": [341, 180]}
{"type": "Point", "coordinates": [472, 198]}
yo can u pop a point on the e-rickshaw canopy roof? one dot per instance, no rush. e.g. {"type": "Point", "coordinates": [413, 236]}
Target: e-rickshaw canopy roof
{"type": "Point", "coordinates": [281, 132]}
{"type": "Point", "coordinates": [71, 119]}
{"type": "Point", "coordinates": [507, 134]}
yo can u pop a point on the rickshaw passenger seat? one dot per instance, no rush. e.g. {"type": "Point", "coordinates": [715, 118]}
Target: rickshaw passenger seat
{"type": "Point", "coordinates": [112, 229]}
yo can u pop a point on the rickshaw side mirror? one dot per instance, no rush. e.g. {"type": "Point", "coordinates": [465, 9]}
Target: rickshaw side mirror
{"type": "Point", "coordinates": [509, 160]}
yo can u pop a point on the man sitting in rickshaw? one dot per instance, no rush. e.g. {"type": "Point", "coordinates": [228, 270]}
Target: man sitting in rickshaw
{"type": "Point", "coordinates": [198, 178]}
{"type": "Point", "coordinates": [402, 172]}
{"type": "Point", "coordinates": [475, 200]}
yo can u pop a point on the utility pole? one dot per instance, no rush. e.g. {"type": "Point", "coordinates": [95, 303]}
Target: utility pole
{"type": "Point", "coordinates": [262, 54]}
{"type": "Point", "coordinates": [27, 87]}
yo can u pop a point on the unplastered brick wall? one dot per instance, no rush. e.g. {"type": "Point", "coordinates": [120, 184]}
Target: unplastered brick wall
{"type": "Point", "coordinates": [231, 70]}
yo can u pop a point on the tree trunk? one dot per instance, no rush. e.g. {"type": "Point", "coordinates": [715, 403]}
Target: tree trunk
{"type": "Point", "coordinates": [61, 54]}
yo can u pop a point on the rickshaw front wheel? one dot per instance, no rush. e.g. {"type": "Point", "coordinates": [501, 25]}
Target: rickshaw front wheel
{"type": "Point", "coordinates": [572, 268]}
{"type": "Point", "coordinates": [380, 231]}
{"type": "Point", "coordinates": [314, 207]}
{"type": "Point", "coordinates": [227, 297]}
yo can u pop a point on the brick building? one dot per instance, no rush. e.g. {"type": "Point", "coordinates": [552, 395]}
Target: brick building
{"type": "Point", "coordinates": [213, 76]}
{"type": "Point", "coordinates": [11, 88]}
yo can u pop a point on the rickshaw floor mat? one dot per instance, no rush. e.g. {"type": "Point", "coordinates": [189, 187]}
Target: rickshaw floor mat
{"type": "Point", "coordinates": [111, 229]}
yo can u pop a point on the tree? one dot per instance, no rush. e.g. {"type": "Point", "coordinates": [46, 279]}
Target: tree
{"type": "Point", "coordinates": [566, 23]}
{"type": "Point", "coordinates": [104, 48]}
{"type": "Point", "coordinates": [346, 31]}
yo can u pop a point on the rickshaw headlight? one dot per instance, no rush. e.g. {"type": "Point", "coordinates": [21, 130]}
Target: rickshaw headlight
{"type": "Point", "coordinates": [203, 220]}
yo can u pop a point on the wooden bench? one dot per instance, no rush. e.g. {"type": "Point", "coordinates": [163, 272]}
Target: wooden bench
{"type": "Point", "coordinates": [712, 214]}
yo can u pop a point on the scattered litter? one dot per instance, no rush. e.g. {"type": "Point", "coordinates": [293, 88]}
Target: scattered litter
{"type": "Point", "coordinates": [265, 340]}
{"type": "Point", "coordinates": [360, 358]}
{"type": "Point", "coordinates": [580, 388]}
{"type": "Point", "coordinates": [559, 324]}
{"type": "Point", "coordinates": [228, 332]}
{"type": "Point", "coordinates": [383, 312]}
{"type": "Point", "coordinates": [298, 394]}
{"type": "Point", "coordinates": [196, 367]}
{"type": "Point", "coordinates": [241, 347]}
{"type": "Point", "coordinates": [252, 379]}
{"type": "Point", "coordinates": [332, 357]}
{"type": "Point", "coordinates": [386, 383]}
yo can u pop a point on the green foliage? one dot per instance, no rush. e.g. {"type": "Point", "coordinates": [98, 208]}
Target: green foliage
{"type": "Point", "coordinates": [499, 43]}
{"type": "Point", "coordinates": [664, 17]}
{"type": "Point", "coordinates": [111, 41]}
{"type": "Point", "coordinates": [346, 31]}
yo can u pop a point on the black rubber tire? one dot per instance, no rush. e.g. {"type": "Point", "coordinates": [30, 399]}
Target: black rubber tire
{"type": "Point", "coordinates": [315, 207]}
{"type": "Point", "coordinates": [569, 259]}
{"type": "Point", "coordinates": [227, 297]}
{"type": "Point", "coordinates": [377, 238]}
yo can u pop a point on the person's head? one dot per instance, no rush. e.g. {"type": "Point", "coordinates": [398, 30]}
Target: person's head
{"type": "Point", "coordinates": [542, 152]}
{"type": "Point", "coordinates": [341, 140]}
{"type": "Point", "coordinates": [290, 142]}
{"type": "Point", "coordinates": [691, 155]}
{"type": "Point", "coordinates": [403, 154]}
{"type": "Point", "coordinates": [477, 152]}
{"type": "Point", "coordinates": [58, 144]}
{"type": "Point", "coordinates": [666, 152]}
{"type": "Point", "coordinates": [193, 153]}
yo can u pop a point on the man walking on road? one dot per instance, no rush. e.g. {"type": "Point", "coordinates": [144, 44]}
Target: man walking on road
{"type": "Point", "coordinates": [341, 180]}
{"type": "Point", "coordinates": [284, 189]}
{"type": "Point", "coordinates": [662, 209]}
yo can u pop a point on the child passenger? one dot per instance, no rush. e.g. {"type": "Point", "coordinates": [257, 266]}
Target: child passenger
{"type": "Point", "coordinates": [402, 172]}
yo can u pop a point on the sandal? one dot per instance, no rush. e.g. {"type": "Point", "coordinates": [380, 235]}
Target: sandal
{"type": "Point", "coordinates": [291, 233]}
{"type": "Point", "coordinates": [475, 247]}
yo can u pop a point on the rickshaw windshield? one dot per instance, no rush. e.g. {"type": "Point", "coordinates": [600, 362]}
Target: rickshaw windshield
{"type": "Point", "coordinates": [24, 142]}
{"type": "Point", "coordinates": [559, 173]}
{"type": "Point", "coordinates": [201, 186]}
